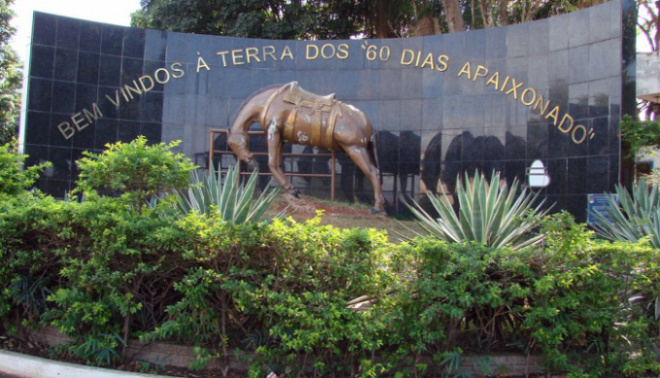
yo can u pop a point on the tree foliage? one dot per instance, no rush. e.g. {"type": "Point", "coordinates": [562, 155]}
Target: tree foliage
{"type": "Point", "coordinates": [342, 19]}
{"type": "Point", "coordinates": [10, 77]}
{"type": "Point", "coordinates": [649, 23]}
{"type": "Point", "coordinates": [277, 19]}
{"type": "Point", "coordinates": [637, 134]}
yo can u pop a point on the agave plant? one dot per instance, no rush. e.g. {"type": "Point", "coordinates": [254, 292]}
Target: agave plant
{"type": "Point", "coordinates": [635, 216]}
{"type": "Point", "coordinates": [232, 200]}
{"type": "Point", "coordinates": [490, 214]}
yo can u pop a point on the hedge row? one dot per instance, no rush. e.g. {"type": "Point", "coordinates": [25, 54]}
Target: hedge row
{"type": "Point", "coordinates": [343, 302]}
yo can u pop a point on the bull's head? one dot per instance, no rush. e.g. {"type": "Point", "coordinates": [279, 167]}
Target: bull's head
{"type": "Point", "coordinates": [238, 144]}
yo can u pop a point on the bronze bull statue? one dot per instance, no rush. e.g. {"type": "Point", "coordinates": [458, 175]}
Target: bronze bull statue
{"type": "Point", "coordinates": [288, 112]}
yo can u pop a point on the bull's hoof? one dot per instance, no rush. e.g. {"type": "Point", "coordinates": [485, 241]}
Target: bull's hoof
{"type": "Point", "coordinates": [378, 212]}
{"type": "Point", "coordinates": [298, 205]}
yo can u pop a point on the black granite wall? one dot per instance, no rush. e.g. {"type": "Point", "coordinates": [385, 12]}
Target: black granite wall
{"type": "Point", "coordinates": [552, 90]}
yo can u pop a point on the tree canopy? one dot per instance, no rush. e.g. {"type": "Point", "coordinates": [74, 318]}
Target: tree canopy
{"type": "Point", "coordinates": [341, 19]}
{"type": "Point", "coordinates": [10, 77]}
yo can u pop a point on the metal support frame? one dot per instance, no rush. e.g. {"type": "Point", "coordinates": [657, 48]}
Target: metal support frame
{"type": "Point", "coordinates": [331, 154]}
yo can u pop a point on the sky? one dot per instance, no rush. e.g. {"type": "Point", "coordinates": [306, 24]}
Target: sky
{"type": "Point", "coordinates": [116, 12]}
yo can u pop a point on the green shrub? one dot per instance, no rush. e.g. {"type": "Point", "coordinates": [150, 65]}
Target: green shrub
{"type": "Point", "coordinates": [13, 178]}
{"type": "Point", "coordinates": [233, 201]}
{"type": "Point", "coordinates": [288, 284]}
{"type": "Point", "coordinates": [287, 291]}
{"type": "Point", "coordinates": [34, 230]}
{"type": "Point", "coordinates": [119, 279]}
{"type": "Point", "coordinates": [572, 299]}
{"type": "Point", "coordinates": [491, 214]}
{"type": "Point", "coordinates": [136, 170]}
{"type": "Point", "coordinates": [633, 217]}
{"type": "Point", "coordinates": [467, 296]}
{"type": "Point", "coordinates": [595, 301]}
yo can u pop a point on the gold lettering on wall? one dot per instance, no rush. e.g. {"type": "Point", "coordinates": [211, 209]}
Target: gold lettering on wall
{"type": "Point", "coordinates": [268, 51]}
{"type": "Point", "coordinates": [251, 53]}
{"type": "Point", "coordinates": [145, 83]}
{"type": "Point", "coordinates": [443, 63]}
{"type": "Point", "coordinates": [286, 53]}
{"type": "Point", "coordinates": [465, 71]}
{"type": "Point", "coordinates": [410, 57]}
{"type": "Point", "coordinates": [481, 71]}
{"type": "Point", "coordinates": [312, 52]}
{"type": "Point", "coordinates": [223, 54]}
{"type": "Point", "coordinates": [524, 95]}
{"type": "Point", "coordinates": [528, 96]}
{"type": "Point", "coordinates": [177, 69]}
{"type": "Point", "coordinates": [81, 120]}
{"type": "Point", "coordinates": [201, 63]}
{"type": "Point", "coordinates": [130, 90]}
{"type": "Point", "coordinates": [407, 57]}
{"type": "Point", "coordinates": [237, 57]}
{"type": "Point", "coordinates": [554, 113]}
{"type": "Point", "coordinates": [326, 51]}
{"type": "Point", "coordinates": [162, 76]}
{"type": "Point", "coordinates": [540, 102]}
{"type": "Point", "coordinates": [342, 51]}
{"type": "Point", "coordinates": [149, 86]}
{"type": "Point", "coordinates": [432, 60]}
{"type": "Point", "coordinates": [494, 81]}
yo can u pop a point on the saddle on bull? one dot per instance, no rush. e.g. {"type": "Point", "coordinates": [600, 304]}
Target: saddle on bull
{"type": "Point", "coordinates": [289, 113]}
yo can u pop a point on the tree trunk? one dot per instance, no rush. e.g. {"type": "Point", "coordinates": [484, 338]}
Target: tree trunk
{"type": "Point", "coordinates": [380, 27]}
{"type": "Point", "coordinates": [486, 14]}
{"type": "Point", "coordinates": [503, 12]}
{"type": "Point", "coordinates": [436, 25]}
{"type": "Point", "coordinates": [657, 26]}
{"type": "Point", "coordinates": [454, 15]}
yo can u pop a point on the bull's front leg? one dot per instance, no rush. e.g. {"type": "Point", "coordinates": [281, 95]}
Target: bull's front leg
{"type": "Point", "coordinates": [275, 150]}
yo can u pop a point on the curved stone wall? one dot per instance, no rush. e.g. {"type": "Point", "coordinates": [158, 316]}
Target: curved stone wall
{"type": "Point", "coordinates": [496, 100]}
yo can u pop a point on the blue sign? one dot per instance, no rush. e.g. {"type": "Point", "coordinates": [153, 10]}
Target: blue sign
{"type": "Point", "coordinates": [598, 203]}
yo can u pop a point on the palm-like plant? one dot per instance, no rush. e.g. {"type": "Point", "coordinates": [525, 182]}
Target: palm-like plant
{"type": "Point", "coordinates": [634, 217]}
{"type": "Point", "coordinates": [491, 214]}
{"type": "Point", "coordinates": [232, 200]}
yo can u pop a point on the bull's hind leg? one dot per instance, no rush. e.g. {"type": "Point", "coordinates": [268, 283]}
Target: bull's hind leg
{"type": "Point", "coordinates": [361, 158]}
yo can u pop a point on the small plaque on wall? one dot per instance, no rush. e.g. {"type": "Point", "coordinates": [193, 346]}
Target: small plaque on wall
{"type": "Point", "coordinates": [598, 203]}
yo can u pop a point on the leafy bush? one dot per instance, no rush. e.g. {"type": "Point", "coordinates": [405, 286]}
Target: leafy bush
{"type": "Point", "coordinates": [287, 284]}
{"type": "Point", "coordinates": [572, 300]}
{"type": "Point", "coordinates": [491, 214]}
{"type": "Point", "coordinates": [136, 170]}
{"type": "Point", "coordinates": [289, 292]}
{"type": "Point", "coordinates": [466, 297]}
{"type": "Point", "coordinates": [33, 229]}
{"type": "Point", "coordinates": [595, 298]}
{"type": "Point", "coordinates": [13, 178]}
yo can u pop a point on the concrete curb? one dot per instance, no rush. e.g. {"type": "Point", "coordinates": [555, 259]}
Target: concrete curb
{"type": "Point", "coordinates": [16, 365]}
